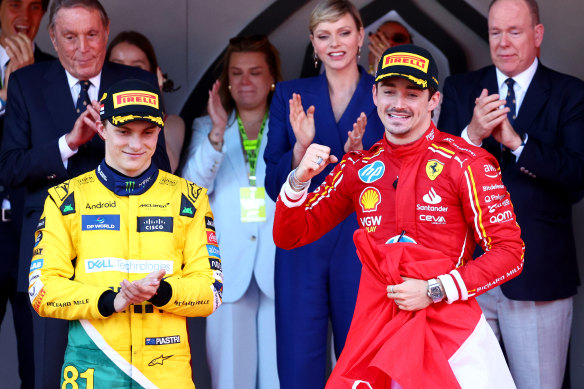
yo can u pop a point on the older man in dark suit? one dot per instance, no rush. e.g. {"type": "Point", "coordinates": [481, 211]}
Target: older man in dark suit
{"type": "Point", "coordinates": [19, 24]}
{"type": "Point", "coordinates": [50, 136]}
{"type": "Point", "coordinates": [532, 119]}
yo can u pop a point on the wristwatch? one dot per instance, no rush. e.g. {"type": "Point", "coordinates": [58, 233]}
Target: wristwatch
{"type": "Point", "coordinates": [434, 291]}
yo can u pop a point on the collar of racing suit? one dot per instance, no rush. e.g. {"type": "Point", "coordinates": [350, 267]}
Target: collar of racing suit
{"type": "Point", "coordinates": [123, 185]}
{"type": "Point", "coordinates": [409, 149]}
{"type": "Point", "coordinates": [410, 157]}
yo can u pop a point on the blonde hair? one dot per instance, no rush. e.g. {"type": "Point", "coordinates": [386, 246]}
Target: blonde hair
{"type": "Point", "coordinates": [333, 10]}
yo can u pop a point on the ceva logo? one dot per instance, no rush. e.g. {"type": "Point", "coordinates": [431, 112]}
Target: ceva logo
{"type": "Point", "coordinates": [372, 172]}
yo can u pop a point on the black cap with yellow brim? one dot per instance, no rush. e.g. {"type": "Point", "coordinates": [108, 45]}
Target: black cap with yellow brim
{"type": "Point", "coordinates": [411, 62]}
{"type": "Point", "coordinates": [130, 100]}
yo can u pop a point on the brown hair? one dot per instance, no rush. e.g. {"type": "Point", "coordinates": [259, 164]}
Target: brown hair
{"type": "Point", "coordinates": [138, 40]}
{"type": "Point", "coordinates": [243, 44]}
{"type": "Point", "coordinates": [44, 4]}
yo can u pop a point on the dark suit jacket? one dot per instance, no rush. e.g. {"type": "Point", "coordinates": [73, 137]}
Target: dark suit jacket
{"type": "Point", "coordinates": [546, 180]}
{"type": "Point", "coordinates": [10, 231]}
{"type": "Point", "coordinates": [40, 110]}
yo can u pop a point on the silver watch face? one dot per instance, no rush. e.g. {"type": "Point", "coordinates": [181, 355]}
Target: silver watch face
{"type": "Point", "coordinates": [434, 291]}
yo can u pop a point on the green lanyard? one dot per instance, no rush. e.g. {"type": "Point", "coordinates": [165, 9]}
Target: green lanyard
{"type": "Point", "coordinates": [251, 147]}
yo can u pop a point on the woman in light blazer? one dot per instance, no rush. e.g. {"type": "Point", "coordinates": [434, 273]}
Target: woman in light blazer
{"type": "Point", "coordinates": [226, 157]}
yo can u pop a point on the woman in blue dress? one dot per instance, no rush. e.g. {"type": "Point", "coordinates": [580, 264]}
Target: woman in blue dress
{"type": "Point", "coordinates": [319, 281]}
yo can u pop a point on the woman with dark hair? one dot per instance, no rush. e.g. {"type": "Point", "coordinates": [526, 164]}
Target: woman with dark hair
{"type": "Point", "coordinates": [134, 49]}
{"type": "Point", "coordinates": [226, 156]}
{"type": "Point", "coordinates": [319, 281]}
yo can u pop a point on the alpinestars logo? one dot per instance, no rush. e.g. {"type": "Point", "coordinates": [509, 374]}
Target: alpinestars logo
{"type": "Point", "coordinates": [432, 197]}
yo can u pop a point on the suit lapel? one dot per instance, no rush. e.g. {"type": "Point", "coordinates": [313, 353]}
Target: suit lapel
{"type": "Point", "coordinates": [57, 89]}
{"type": "Point", "coordinates": [234, 152]}
{"type": "Point", "coordinates": [354, 109]}
{"type": "Point", "coordinates": [261, 164]}
{"type": "Point", "coordinates": [327, 131]}
{"type": "Point", "coordinates": [535, 99]}
{"type": "Point", "coordinates": [488, 81]}
{"type": "Point", "coordinates": [107, 79]}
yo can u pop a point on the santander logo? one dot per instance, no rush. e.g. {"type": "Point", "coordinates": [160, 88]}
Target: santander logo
{"type": "Point", "coordinates": [432, 197]}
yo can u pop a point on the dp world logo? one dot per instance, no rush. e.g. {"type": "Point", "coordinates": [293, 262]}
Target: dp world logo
{"type": "Point", "coordinates": [130, 185]}
{"type": "Point", "coordinates": [100, 220]}
{"type": "Point", "coordinates": [372, 172]}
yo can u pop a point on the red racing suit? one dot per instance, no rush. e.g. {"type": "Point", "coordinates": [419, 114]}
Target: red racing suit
{"type": "Point", "coordinates": [438, 192]}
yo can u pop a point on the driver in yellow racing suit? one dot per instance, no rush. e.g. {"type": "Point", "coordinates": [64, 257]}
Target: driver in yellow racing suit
{"type": "Point", "coordinates": [126, 252]}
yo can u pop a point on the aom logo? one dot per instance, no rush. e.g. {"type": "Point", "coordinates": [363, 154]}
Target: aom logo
{"type": "Point", "coordinates": [432, 197]}
{"type": "Point", "coordinates": [370, 222]}
{"type": "Point", "coordinates": [501, 217]}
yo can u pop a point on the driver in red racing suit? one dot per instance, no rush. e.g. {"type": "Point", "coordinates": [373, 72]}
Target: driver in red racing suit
{"type": "Point", "coordinates": [415, 185]}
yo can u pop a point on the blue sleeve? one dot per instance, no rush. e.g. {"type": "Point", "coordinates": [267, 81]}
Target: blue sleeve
{"type": "Point", "coordinates": [278, 154]}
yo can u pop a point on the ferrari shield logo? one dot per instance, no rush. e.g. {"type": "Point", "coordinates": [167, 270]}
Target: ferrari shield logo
{"type": "Point", "coordinates": [434, 168]}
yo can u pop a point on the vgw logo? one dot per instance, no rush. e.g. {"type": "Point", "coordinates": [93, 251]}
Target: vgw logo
{"type": "Point", "coordinates": [372, 172]}
{"type": "Point", "coordinates": [370, 222]}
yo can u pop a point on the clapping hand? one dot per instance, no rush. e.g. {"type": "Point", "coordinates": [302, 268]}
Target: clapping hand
{"type": "Point", "coordinates": [355, 139]}
{"type": "Point", "coordinates": [486, 116]}
{"type": "Point", "coordinates": [138, 291]}
{"type": "Point", "coordinates": [218, 116]}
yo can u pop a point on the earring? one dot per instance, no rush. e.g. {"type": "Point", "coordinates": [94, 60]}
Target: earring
{"type": "Point", "coordinates": [315, 60]}
{"type": "Point", "coordinates": [229, 87]}
{"type": "Point", "coordinates": [272, 87]}
{"type": "Point", "coordinates": [359, 54]}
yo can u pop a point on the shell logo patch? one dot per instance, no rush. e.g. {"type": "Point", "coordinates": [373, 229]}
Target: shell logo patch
{"type": "Point", "coordinates": [369, 199]}
{"type": "Point", "coordinates": [135, 97]}
{"type": "Point", "coordinates": [434, 168]}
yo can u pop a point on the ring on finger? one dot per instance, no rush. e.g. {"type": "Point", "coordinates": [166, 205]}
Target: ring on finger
{"type": "Point", "coordinates": [357, 137]}
{"type": "Point", "coordinates": [318, 161]}
{"type": "Point", "coordinates": [391, 289]}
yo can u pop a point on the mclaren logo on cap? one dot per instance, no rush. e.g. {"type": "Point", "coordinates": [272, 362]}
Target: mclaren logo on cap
{"type": "Point", "coordinates": [406, 59]}
{"type": "Point", "coordinates": [135, 97]}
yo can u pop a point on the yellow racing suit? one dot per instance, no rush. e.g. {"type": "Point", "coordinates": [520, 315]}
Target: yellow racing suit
{"type": "Point", "coordinates": [101, 228]}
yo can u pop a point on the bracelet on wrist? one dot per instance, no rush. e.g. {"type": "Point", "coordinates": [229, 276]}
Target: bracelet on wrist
{"type": "Point", "coordinates": [295, 183]}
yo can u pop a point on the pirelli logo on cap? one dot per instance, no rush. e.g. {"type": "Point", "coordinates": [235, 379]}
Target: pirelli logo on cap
{"type": "Point", "coordinates": [135, 97]}
{"type": "Point", "coordinates": [406, 59]}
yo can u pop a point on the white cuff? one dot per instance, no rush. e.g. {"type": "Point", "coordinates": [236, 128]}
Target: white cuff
{"type": "Point", "coordinates": [290, 197]}
{"type": "Point", "coordinates": [449, 288]}
{"type": "Point", "coordinates": [464, 135]}
{"type": "Point", "coordinates": [65, 151]}
{"type": "Point", "coordinates": [460, 283]}
{"type": "Point", "coordinates": [517, 152]}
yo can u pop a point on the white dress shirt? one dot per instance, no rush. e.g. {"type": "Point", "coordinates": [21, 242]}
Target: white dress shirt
{"type": "Point", "coordinates": [75, 88]}
{"type": "Point", "coordinates": [522, 81]}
